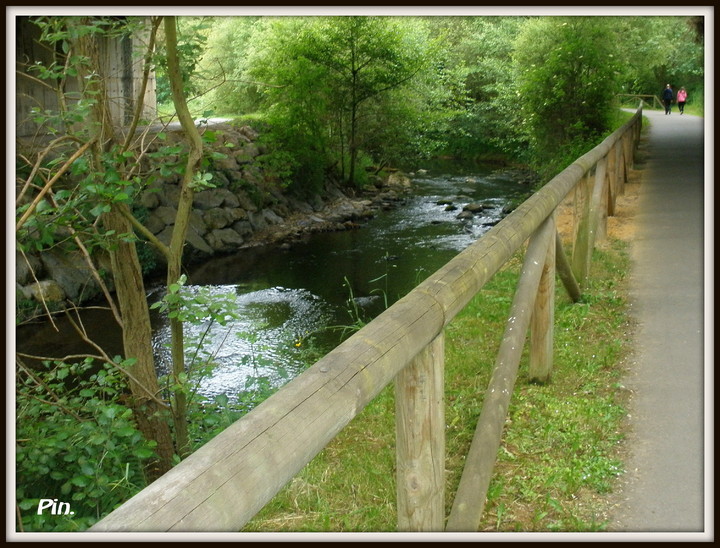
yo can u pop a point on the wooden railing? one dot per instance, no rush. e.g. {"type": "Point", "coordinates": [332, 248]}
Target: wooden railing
{"type": "Point", "coordinates": [226, 482]}
{"type": "Point", "coordinates": [649, 100]}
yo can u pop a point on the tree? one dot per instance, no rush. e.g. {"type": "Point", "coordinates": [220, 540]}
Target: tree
{"type": "Point", "coordinates": [224, 66]}
{"type": "Point", "coordinates": [661, 50]}
{"type": "Point", "coordinates": [566, 70]}
{"type": "Point", "coordinates": [100, 170]}
{"type": "Point", "coordinates": [328, 76]}
{"type": "Point", "coordinates": [477, 57]}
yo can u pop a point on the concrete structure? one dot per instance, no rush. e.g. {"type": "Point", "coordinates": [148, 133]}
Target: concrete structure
{"type": "Point", "coordinates": [120, 60]}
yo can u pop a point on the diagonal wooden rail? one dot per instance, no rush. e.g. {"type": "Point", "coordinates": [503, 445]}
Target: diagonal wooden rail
{"type": "Point", "coordinates": [226, 482]}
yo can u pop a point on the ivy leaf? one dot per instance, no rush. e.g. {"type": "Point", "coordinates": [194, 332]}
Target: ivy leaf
{"type": "Point", "coordinates": [143, 453]}
{"type": "Point", "coordinates": [80, 481]}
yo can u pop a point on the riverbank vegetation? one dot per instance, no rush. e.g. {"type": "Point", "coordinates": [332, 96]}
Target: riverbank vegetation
{"type": "Point", "coordinates": [334, 99]}
{"type": "Point", "coordinates": [339, 94]}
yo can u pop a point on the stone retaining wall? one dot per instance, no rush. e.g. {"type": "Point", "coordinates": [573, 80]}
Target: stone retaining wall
{"type": "Point", "coordinates": [246, 209]}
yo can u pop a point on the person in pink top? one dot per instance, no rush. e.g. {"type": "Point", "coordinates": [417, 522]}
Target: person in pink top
{"type": "Point", "coordinates": [681, 98]}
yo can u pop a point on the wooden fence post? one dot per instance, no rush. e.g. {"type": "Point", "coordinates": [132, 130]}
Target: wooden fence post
{"type": "Point", "coordinates": [543, 317]}
{"type": "Point", "coordinates": [601, 229]}
{"type": "Point", "coordinates": [564, 270]}
{"type": "Point", "coordinates": [420, 443]}
{"type": "Point", "coordinates": [470, 498]}
{"type": "Point", "coordinates": [597, 210]}
{"type": "Point", "coordinates": [622, 165]}
{"type": "Point", "coordinates": [583, 197]}
{"type": "Point", "coordinates": [612, 179]}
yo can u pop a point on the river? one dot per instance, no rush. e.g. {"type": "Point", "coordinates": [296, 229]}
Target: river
{"type": "Point", "coordinates": [295, 301]}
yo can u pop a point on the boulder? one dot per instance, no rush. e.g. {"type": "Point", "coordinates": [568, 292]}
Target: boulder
{"type": "Point", "coordinates": [246, 154]}
{"type": "Point", "coordinates": [149, 199]}
{"type": "Point", "coordinates": [271, 218]}
{"type": "Point", "coordinates": [257, 220]}
{"type": "Point", "coordinates": [229, 199]}
{"type": "Point", "coordinates": [244, 201]}
{"type": "Point", "coordinates": [25, 266]}
{"type": "Point", "coordinates": [71, 273]}
{"type": "Point", "coordinates": [248, 132]}
{"type": "Point", "coordinates": [226, 164]}
{"type": "Point", "coordinates": [475, 207]}
{"type": "Point", "coordinates": [208, 199]}
{"type": "Point", "coordinates": [398, 179]}
{"type": "Point", "coordinates": [47, 291]}
{"type": "Point", "coordinates": [196, 241]}
{"type": "Point", "coordinates": [217, 218]}
{"type": "Point", "coordinates": [197, 224]}
{"type": "Point", "coordinates": [243, 228]}
{"type": "Point", "coordinates": [155, 223]}
{"type": "Point", "coordinates": [170, 195]}
{"type": "Point", "coordinates": [224, 239]}
{"type": "Point", "coordinates": [165, 214]}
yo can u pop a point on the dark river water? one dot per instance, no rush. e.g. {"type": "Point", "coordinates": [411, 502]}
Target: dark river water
{"type": "Point", "coordinates": [297, 300]}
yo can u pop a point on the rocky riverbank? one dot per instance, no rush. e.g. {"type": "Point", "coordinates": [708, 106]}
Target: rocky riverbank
{"type": "Point", "coordinates": [245, 209]}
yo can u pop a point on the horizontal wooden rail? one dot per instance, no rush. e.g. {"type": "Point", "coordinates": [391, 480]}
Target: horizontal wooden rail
{"type": "Point", "coordinates": [226, 482]}
{"type": "Point", "coordinates": [652, 100]}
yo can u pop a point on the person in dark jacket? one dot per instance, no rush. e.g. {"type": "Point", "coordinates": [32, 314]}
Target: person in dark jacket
{"type": "Point", "coordinates": [667, 97]}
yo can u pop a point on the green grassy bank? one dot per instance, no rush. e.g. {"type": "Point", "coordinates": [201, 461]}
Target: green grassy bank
{"type": "Point", "coordinates": [562, 444]}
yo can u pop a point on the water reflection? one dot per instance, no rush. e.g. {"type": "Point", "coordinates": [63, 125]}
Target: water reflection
{"type": "Point", "coordinates": [288, 294]}
{"type": "Point", "coordinates": [266, 340]}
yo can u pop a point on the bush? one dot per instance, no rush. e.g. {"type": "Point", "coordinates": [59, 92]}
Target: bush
{"type": "Point", "coordinates": [75, 443]}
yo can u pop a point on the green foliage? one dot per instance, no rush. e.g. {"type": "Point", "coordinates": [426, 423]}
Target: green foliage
{"type": "Point", "coordinates": [197, 306]}
{"type": "Point", "coordinates": [481, 86]}
{"type": "Point", "coordinates": [224, 66]}
{"type": "Point", "coordinates": [191, 45]}
{"type": "Point", "coordinates": [476, 60]}
{"type": "Point", "coordinates": [566, 74]}
{"type": "Point", "coordinates": [661, 50]}
{"type": "Point", "coordinates": [75, 441]}
{"type": "Point", "coordinates": [329, 87]}
{"type": "Point", "coordinates": [204, 308]}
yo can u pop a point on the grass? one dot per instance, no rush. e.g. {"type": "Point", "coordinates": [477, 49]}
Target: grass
{"type": "Point", "coordinates": [562, 444]}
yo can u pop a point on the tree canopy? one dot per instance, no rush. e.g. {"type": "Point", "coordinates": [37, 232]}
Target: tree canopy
{"type": "Point", "coordinates": [342, 92]}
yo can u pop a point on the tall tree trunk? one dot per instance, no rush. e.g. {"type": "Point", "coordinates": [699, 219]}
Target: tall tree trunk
{"type": "Point", "coordinates": [129, 287]}
{"type": "Point", "coordinates": [151, 417]}
{"type": "Point", "coordinates": [179, 234]}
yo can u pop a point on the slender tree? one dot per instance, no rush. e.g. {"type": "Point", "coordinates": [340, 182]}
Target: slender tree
{"type": "Point", "coordinates": [180, 227]}
{"type": "Point", "coordinates": [99, 167]}
{"type": "Point", "coordinates": [126, 270]}
{"type": "Point", "coordinates": [328, 75]}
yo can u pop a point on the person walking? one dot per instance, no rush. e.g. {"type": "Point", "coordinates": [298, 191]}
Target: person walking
{"type": "Point", "coordinates": [681, 98]}
{"type": "Point", "coordinates": [667, 97]}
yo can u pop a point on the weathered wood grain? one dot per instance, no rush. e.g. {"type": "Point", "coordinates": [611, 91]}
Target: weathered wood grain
{"type": "Point", "coordinates": [564, 271]}
{"type": "Point", "coordinates": [543, 316]}
{"type": "Point", "coordinates": [420, 440]}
